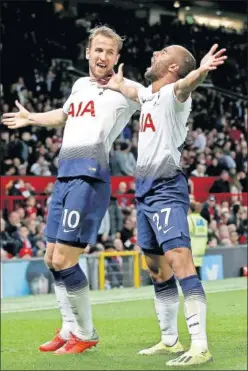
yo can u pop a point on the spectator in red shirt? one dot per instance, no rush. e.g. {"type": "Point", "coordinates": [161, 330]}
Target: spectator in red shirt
{"type": "Point", "coordinates": [22, 235]}
{"type": "Point", "coordinates": [31, 206]}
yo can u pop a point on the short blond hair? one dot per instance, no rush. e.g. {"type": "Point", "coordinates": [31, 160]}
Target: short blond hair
{"type": "Point", "coordinates": [107, 32]}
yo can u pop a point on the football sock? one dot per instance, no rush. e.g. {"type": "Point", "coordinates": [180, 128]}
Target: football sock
{"type": "Point", "coordinates": [68, 318]}
{"type": "Point", "coordinates": [77, 288]}
{"type": "Point", "coordinates": [195, 309]}
{"type": "Point", "coordinates": [166, 302]}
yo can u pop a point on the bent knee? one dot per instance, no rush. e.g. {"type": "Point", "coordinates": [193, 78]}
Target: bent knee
{"type": "Point", "coordinates": [155, 275]}
{"type": "Point", "coordinates": [59, 261]}
{"type": "Point", "coordinates": [181, 261]}
{"type": "Point", "coordinates": [65, 256]}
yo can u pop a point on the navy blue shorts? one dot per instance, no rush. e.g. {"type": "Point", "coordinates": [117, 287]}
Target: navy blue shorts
{"type": "Point", "coordinates": [162, 216]}
{"type": "Point", "coordinates": [76, 210]}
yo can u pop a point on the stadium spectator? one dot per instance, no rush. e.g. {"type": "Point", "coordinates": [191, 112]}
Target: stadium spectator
{"type": "Point", "coordinates": [116, 217]}
{"type": "Point", "coordinates": [22, 235]}
{"type": "Point", "coordinates": [13, 223]}
{"type": "Point", "coordinates": [123, 162]}
{"type": "Point", "coordinates": [200, 171]}
{"type": "Point", "coordinates": [234, 238]}
{"type": "Point", "coordinates": [199, 140]}
{"type": "Point", "coordinates": [104, 230]}
{"type": "Point", "coordinates": [221, 185]}
{"type": "Point", "coordinates": [127, 233]}
{"type": "Point", "coordinates": [121, 194]}
{"type": "Point", "coordinates": [9, 246]}
{"type": "Point", "coordinates": [209, 211]}
{"type": "Point", "coordinates": [40, 167]}
{"type": "Point", "coordinates": [131, 188]}
{"type": "Point", "coordinates": [214, 169]}
{"type": "Point", "coordinates": [213, 242]}
{"type": "Point", "coordinates": [30, 206]}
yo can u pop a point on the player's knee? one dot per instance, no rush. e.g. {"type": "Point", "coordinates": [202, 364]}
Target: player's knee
{"type": "Point", "coordinates": [181, 261]}
{"type": "Point", "coordinates": [65, 256]}
{"type": "Point", "coordinates": [59, 262]}
{"type": "Point", "coordinates": [155, 274]}
{"type": "Point", "coordinates": [156, 278]}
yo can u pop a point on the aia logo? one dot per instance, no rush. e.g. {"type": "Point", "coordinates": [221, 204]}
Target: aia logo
{"type": "Point", "coordinates": [82, 108]}
{"type": "Point", "coordinates": [146, 123]}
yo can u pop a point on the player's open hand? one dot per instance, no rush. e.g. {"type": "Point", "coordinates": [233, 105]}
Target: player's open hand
{"type": "Point", "coordinates": [116, 80]}
{"type": "Point", "coordinates": [213, 59]}
{"type": "Point", "coordinates": [15, 120]}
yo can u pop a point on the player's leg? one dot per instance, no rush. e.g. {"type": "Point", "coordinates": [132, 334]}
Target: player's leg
{"type": "Point", "coordinates": [68, 318]}
{"type": "Point", "coordinates": [167, 210]}
{"type": "Point", "coordinates": [84, 207]}
{"type": "Point", "coordinates": [166, 299]}
{"type": "Point", "coordinates": [195, 308]}
{"type": "Point", "coordinates": [174, 239]}
{"type": "Point", "coordinates": [66, 263]}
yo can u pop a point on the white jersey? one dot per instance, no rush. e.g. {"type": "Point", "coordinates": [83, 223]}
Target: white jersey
{"type": "Point", "coordinates": [163, 130]}
{"type": "Point", "coordinates": [95, 119]}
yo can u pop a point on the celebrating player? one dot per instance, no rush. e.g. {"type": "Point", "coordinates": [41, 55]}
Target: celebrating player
{"type": "Point", "coordinates": [93, 119]}
{"type": "Point", "coordinates": [162, 194]}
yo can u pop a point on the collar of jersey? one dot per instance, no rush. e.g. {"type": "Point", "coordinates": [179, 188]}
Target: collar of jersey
{"type": "Point", "coordinates": [150, 95]}
{"type": "Point", "coordinates": [102, 81]}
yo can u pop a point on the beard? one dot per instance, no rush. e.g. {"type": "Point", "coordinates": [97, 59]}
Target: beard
{"type": "Point", "coordinates": [150, 75]}
{"type": "Point", "coordinates": [156, 71]}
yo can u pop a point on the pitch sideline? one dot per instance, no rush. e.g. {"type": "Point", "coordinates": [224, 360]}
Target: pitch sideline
{"type": "Point", "coordinates": [28, 304]}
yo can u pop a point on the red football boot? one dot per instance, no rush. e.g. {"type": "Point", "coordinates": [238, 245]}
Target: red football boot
{"type": "Point", "coordinates": [54, 344]}
{"type": "Point", "coordinates": [75, 345]}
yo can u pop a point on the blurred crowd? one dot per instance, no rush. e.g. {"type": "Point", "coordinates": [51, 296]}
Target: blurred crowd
{"type": "Point", "coordinates": [215, 146]}
{"type": "Point", "coordinates": [41, 82]}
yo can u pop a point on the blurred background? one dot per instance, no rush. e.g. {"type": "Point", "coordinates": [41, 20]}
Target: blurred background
{"type": "Point", "coordinates": [43, 47]}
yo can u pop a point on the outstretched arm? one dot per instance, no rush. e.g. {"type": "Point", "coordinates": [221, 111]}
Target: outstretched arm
{"type": "Point", "coordinates": [210, 62]}
{"type": "Point", "coordinates": [22, 118]}
{"type": "Point", "coordinates": [117, 83]}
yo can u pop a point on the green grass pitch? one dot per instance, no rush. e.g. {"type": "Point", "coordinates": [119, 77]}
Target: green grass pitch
{"type": "Point", "coordinates": [126, 322]}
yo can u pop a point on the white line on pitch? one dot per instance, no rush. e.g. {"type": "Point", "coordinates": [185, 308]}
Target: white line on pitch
{"type": "Point", "coordinates": [108, 301]}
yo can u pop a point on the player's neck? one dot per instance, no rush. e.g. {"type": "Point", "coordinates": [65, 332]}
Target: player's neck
{"type": "Point", "coordinates": [101, 80]}
{"type": "Point", "coordinates": [158, 84]}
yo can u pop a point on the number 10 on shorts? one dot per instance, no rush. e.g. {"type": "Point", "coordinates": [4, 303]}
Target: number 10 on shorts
{"type": "Point", "coordinates": [71, 218]}
{"type": "Point", "coordinates": [162, 219]}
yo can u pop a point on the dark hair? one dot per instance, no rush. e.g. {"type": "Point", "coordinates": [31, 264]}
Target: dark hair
{"type": "Point", "coordinates": [192, 206]}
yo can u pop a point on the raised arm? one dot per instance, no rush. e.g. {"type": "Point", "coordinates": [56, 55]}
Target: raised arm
{"type": "Point", "coordinates": [117, 83]}
{"type": "Point", "coordinates": [210, 62]}
{"type": "Point", "coordinates": [22, 118]}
